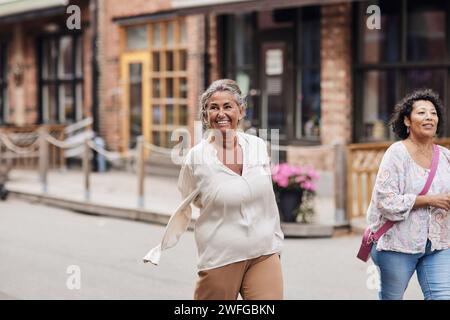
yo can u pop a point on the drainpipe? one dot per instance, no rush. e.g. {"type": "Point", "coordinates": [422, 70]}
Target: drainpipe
{"type": "Point", "coordinates": [93, 6]}
{"type": "Point", "coordinates": [206, 55]}
{"type": "Point", "coordinates": [95, 73]}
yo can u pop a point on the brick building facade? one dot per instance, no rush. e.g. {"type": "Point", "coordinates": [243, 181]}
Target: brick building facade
{"type": "Point", "coordinates": [115, 18]}
{"type": "Point", "coordinates": [312, 69]}
{"type": "Point", "coordinates": [25, 35]}
{"type": "Point", "coordinates": [336, 69]}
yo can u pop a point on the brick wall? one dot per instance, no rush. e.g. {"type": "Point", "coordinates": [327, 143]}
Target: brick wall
{"type": "Point", "coordinates": [16, 87]}
{"type": "Point", "coordinates": [22, 52]}
{"type": "Point", "coordinates": [31, 81]}
{"type": "Point", "coordinates": [336, 84]}
{"type": "Point", "coordinates": [87, 70]}
{"type": "Point", "coordinates": [213, 50]}
{"type": "Point", "coordinates": [111, 112]}
{"type": "Point", "coordinates": [22, 91]}
{"type": "Point", "coordinates": [195, 69]}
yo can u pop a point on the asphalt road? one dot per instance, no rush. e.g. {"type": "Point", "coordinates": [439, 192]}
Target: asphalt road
{"type": "Point", "coordinates": [50, 253]}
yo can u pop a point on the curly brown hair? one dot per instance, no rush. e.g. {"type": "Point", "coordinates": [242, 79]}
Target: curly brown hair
{"type": "Point", "coordinates": [404, 108]}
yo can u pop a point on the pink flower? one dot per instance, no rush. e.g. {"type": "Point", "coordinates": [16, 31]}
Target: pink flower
{"type": "Point", "coordinates": [313, 174]}
{"type": "Point", "coordinates": [285, 170]}
{"type": "Point", "coordinates": [309, 186]}
{"type": "Point", "coordinates": [275, 170]}
{"type": "Point", "coordinates": [297, 170]}
{"type": "Point", "coordinates": [285, 175]}
{"type": "Point", "coordinates": [283, 182]}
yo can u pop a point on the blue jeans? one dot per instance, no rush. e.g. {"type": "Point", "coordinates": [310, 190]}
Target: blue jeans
{"type": "Point", "coordinates": [396, 269]}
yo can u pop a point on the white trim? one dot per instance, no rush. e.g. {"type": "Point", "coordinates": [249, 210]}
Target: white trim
{"type": "Point", "coordinates": [199, 3]}
{"type": "Point", "coordinates": [13, 7]}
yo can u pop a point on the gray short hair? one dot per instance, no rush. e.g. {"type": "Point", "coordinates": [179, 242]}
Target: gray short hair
{"type": "Point", "coordinates": [217, 86]}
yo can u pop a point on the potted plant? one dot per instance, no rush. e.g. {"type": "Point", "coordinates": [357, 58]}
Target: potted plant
{"type": "Point", "coordinates": [295, 189]}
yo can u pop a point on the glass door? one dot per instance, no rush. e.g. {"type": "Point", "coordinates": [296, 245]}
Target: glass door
{"type": "Point", "coordinates": [135, 83]}
{"type": "Point", "coordinates": [276, 85]}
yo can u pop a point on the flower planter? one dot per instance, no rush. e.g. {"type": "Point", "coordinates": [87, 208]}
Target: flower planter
{"type": "Point", "coordinates": [289, 204]}
{"type": "Point", "coordinates": [294, 187]}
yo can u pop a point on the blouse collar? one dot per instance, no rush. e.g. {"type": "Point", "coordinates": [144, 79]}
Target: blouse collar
{"type": "Point", "coordinates": [241, 141]}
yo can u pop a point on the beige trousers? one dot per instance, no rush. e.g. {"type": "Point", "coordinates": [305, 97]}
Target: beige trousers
{"type": "Point", "coordinates": [255, 279]}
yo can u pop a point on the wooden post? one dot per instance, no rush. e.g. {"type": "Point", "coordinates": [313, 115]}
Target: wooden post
{"type": "Point", "coordinates": [349, 183]}
{"type": "Point", "coordinates": [86, 170]}
{"type": "Point", "coordinates": [62, 158]}
{"type": "Point", "coordinates": [140, 170]}
{"type": "Point", "coordinates": [339, 184]}
{"type": "Point", "coordinates": [43, 159]}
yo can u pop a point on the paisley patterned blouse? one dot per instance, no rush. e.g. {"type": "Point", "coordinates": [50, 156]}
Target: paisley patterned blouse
{"type": "Point", "coordinates": [400, 179]}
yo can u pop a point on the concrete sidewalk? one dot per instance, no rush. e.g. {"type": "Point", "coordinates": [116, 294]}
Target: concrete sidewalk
{"type": "Point", "coordinates": [115, 193]}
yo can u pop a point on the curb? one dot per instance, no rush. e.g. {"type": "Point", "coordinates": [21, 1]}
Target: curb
{"type": "Point", "coordinates": [290, 230]}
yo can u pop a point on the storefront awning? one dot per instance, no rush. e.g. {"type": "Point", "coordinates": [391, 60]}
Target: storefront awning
{"type": "Point", "coordinates": [133, 20]}
{"type": "Point", "coordinates": [191, 7]}
{"type": "Point", "coordinates": [16, 10]}
{"type": "Point", "coordinates": [233, 6]}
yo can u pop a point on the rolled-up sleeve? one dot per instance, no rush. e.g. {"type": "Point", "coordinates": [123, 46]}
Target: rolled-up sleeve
{"type": "Point", "coordinates": [179, 221]}
{"type": "Point", "coordinates": [388, 194]}
{"type": "Point", "coordinates": [186, 182]}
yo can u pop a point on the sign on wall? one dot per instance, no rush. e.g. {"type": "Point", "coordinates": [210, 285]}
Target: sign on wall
{"type": "Point", "coordinates": [274, 62]}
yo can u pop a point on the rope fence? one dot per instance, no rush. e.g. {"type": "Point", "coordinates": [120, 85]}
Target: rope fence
{"type": "Point", "coordinates": [80, 142]}
{"type": "Point", "coordinates": [9, 144]}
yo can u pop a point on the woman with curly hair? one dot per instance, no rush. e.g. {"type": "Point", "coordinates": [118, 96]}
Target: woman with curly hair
{"type": "Point", "coordinates": [418, 237]}
{"type": "Point", "coordinates": [238, 233]}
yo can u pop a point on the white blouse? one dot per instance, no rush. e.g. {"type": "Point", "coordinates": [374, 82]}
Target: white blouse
{"type": "Point", "coordinates": [238, 218]}
{"type": "Point", "coordinates": [400, 179]}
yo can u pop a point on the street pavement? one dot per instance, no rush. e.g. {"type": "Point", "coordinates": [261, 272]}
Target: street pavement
{"type": "Point", "coordinates": [46, 252]}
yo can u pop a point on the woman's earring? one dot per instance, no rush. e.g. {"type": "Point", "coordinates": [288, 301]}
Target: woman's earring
{"type": "Point", "coordinates": [407, 130]}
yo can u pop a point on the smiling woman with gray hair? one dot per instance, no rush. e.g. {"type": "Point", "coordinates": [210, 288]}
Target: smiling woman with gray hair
{"type": "Point", "coordinates": [227, 175]}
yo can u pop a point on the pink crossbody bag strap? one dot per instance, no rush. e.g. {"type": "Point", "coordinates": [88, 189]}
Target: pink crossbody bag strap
{"type": "Point", "coordinates": [434, 164]}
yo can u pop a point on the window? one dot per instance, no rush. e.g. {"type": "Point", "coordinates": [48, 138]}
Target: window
{"type": "Point", "coordinates": [426, 30]}
{"type": "Point", "coordinates": [378, 97]}
{"type": "Point", "coordinates": [3, 85]}
{"type": "Point", "coordinates": [135, 102]}
{"type": "Point", "coordinates": [168, 61]}
{"type": "Point", "coordinates": [240, 53]}
{"type": "Point", "coordinates": [409, 52]}
{"type": "Point", "coordinates": [381, 45]}
{"type": "Point", "coordinates": [137, 38]}
{"type": "Point", "coordinates": [307, 124]}
{"type": "Point", "coordinates": [243, 40]}
{"type": "Point", "coordinates": [61, 79]}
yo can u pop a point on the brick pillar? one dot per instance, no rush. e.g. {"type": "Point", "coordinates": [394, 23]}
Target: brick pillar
{"type": "Point", "coordinates": [195, 68]}
{"type": "Point", "coordinates": [110, 90]}
{"type": "Point", "coordinates": [336, 77]}
{"type": "Point", "coordinates": [213, 51]}
{"type": "Point", "coordinates": [18, 71]}
{"type": "Point", "coordinates": [31, 81]}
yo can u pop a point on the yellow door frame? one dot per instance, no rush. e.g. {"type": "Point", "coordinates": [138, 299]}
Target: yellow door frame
{"type": "Point", "coordinates": [125, 60]}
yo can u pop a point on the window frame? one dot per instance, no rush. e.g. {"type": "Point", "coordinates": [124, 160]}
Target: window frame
{"type": "Point", "coordinates": [401, 68]}
{"type": "Point", "coordinates": [176, 76]}
{"type": "Point", "coordinates": [299, 69]}
{"type": "Point", "coordinates": [230, 69]}
{"type": "Point", "coordinates": [4, 107]}
{"type": "Point", "coordinates": [59, 81]}
{"type": "Point", "coordinates": [173, 82]}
